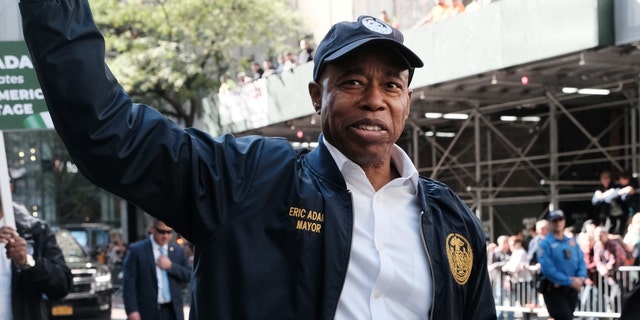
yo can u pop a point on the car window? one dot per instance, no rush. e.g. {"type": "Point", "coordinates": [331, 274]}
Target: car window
{"type": "Point", "coordinates": [69, 245]}
{"type": "Point", "coordinates": [101, 238]}
{"type": "Point", "coordinates": [81, 237]}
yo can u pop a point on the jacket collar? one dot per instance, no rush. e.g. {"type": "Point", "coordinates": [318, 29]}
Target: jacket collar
{"type": "Point", "coordinates": [321, 162]}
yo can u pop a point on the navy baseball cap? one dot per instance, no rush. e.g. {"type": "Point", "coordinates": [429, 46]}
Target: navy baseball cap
{"type": "Point", "coordinates": [555, 215]}
{"type": "Point", "coordinates": [345, 37]}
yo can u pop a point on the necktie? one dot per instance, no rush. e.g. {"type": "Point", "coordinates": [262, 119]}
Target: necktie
{"type": "Point", "coordinates": [166, 294]}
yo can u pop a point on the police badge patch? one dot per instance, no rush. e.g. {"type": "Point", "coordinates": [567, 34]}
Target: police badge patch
{"type": "Point", "coordinates": [460, 257]}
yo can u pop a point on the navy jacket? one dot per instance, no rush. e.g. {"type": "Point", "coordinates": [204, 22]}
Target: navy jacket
{"type": "Point", "coordinates": [271, 227]}
{"type": "Point", "coordinates": [50, 276]}
{"type": "Point", "coordinates": [140, 283]}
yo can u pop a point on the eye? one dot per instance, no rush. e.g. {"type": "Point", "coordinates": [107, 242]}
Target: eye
{"type": "Point", "coordinates": [352, 82]}
{"type": "Point", "coordinates": [393, 85]}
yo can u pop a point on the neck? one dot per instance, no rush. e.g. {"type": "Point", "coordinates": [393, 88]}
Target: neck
{"type": "Point", "coordinates": [380, 176]}
{"type": "Point", "coordinates": [558, 234]}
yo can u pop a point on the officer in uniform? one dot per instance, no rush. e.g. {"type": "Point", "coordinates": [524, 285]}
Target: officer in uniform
{"type": "Point", "coordinates": [562, 267]}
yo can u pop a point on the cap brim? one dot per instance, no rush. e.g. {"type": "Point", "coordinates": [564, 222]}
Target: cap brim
{"type": "Point", "coordinates": [410, 58]}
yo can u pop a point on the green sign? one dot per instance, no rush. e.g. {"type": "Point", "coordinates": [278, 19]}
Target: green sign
{"type": "Point", "coordinates": [22, 104]}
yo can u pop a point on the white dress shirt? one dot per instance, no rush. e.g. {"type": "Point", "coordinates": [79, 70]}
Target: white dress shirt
{"type": "Point", "coordinates": [388, 276]}
{"type": "Point", "coordinates": [5, 281]}
{"type": "Point", "coordinates": [156, 255]}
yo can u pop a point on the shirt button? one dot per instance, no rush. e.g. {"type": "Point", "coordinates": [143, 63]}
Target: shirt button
{"type": "Point", "coordinates": [377, 294]}
{"type": "Point", "coordinates": [378, 198]}
{"type": "Point", "coordinates": [380, 246]}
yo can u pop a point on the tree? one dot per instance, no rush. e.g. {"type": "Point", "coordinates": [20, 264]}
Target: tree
{"type": "Point", "coordinates": [171, 53]}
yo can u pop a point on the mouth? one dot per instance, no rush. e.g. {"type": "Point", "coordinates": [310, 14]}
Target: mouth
{"type": "Point", "coordinates": [366, 127]}
{"type": "Point", "coordinates": [369, 130]}
{"type": "Point", "coordinates": [370, 125]}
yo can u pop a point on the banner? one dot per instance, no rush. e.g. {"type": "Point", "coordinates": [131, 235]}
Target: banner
{"type": "Point", "coordinates": [22, 104]}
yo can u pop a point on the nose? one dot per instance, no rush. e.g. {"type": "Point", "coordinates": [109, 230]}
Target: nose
{"type": "Point", "coordinates": [373, 98]}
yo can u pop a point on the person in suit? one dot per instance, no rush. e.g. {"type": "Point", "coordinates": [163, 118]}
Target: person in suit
{"type": "Point", "coordinates": [153, 273]}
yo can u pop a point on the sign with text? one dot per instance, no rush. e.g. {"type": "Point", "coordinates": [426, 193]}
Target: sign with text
{"type": "Point", "coordinates": [22, 104]}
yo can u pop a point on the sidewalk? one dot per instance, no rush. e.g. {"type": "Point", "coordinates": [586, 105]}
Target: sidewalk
{"type": "Point", "coordinates": [117, 308]}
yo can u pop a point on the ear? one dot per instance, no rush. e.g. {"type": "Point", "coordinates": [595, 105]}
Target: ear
{"type": "Point", "coordinates": [408, 108]}
{"type": "Point", "coordinates": [315, 92]}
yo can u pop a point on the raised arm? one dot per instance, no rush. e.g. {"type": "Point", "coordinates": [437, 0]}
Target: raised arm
{"type": "Point", "coordinates": [128, 149]}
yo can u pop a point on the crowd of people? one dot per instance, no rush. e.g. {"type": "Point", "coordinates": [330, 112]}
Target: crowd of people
{"type": "Point", "coordinates": [286, 61]}
{"type": "Point", "coordinates": [605, 244]}
{"type": "Point", "coordinates": [444, 9]}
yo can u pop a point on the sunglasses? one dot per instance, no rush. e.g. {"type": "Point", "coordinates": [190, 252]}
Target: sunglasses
{"type": "Point", "coordinates": [161, 231]}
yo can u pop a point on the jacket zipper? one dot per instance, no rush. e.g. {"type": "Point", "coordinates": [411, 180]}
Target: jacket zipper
{"type": "Point", "coordinates": [426, 249]}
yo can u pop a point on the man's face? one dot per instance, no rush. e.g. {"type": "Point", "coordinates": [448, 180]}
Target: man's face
{"type": "Point", "coordinates": [161, 233]}
{"type": "Point", "coordinates": [558, 225]}
{"type": "Point", "coordinates": [363, 100]}
{"type": "Point", "coordinates": [624, 181]}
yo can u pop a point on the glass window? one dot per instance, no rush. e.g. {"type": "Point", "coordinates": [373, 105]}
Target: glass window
{"type": "Point", "coordinates": [48, 183]}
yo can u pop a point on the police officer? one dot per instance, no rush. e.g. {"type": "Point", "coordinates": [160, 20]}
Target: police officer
{"type": "Point", "coordinates": [562, 267]}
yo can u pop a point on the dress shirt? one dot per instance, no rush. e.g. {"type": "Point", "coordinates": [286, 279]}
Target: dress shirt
{"type": "Point", "coordinates": [388, 275]}
{"type": "Point", "coordinates": [160, 274]}
{"type": "Point", "coordinates": [5, 281]}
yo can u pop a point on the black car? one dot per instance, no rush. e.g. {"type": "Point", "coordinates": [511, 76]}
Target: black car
{"type": "Point", "coordinates": [90, 296]}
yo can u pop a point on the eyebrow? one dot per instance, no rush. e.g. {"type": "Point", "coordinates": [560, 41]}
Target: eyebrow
{"type": "Point", "coordinates": [391, 72]}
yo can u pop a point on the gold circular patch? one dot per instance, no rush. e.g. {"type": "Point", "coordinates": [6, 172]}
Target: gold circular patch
{"type": "Point", "coordinates": [460, 257]}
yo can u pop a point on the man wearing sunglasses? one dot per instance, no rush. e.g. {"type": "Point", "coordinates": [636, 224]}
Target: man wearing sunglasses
{"type": "Point", "coordinates": [153, 273]}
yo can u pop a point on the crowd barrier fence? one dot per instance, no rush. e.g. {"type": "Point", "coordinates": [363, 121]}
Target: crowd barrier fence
{"type": "Point", "coordinates": [601, 300]}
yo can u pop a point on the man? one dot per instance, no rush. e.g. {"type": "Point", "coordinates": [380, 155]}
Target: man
{"type": "Point", "coordinates": [629, 199]}
{"type": "Point", "coordinates": [348, 230]}
{"type": "Point", "coordinates": [154, 271]}
{"type": "Point", "coordinates": [306, 52]}
{"type": "Point", "coordinates": [562, 267]}
{"type": "Point", "coordinates": [607, 200]}
{"type": "Point", "coordinates": [257, 70]}
{"type": "Point", "coordinates": [542, 230]}
{"type": "Point", "coordinates": [31, 265]}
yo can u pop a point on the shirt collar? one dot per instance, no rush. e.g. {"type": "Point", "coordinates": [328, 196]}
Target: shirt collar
{"type": "Point", "coordinates": [399, 158]}
{"type": "Point", "coordinates": [156, 246]}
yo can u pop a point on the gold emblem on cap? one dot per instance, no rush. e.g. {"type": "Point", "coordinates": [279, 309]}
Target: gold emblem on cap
{"type": "Point", "coordinates": [460, 257]}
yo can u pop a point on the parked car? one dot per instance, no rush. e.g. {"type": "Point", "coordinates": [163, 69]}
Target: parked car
{"type": "Point", "coordinates": [90, 296]}
{"type": "Point", "coordinates": [93, 237]}
{"type": "Point", "coordinates": [96, 239]}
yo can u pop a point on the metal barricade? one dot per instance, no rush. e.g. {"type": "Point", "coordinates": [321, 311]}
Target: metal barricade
{"type": "Point", "coordinates": [520, 299]}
